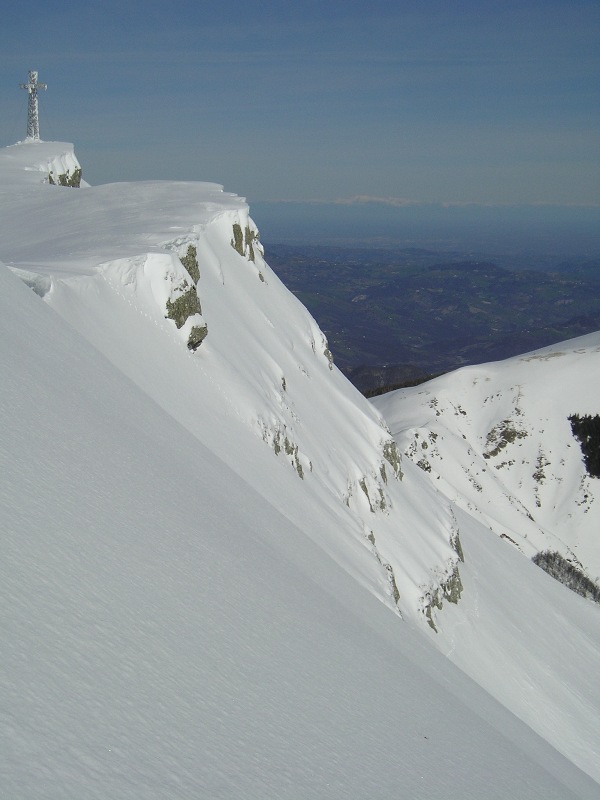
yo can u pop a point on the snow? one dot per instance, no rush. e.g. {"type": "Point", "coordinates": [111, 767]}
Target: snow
{"type": "Point", "coordinates": [524, 637]}
{"type": "Point", "coordinates": [534, 490]}
{"type": "Point", "coordinates": [29, 163]}
{"type": "Point", "coordinates": [183, 614]}
{"type": "Point", "coordinates": [530, 642]}
{"type": "Point", "coordinates": [109, 258]}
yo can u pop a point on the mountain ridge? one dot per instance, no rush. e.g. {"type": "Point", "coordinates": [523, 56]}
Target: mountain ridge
{"type": "Point", "coordinates": [218, 570]}
{"type": "Point", "coordinates": [508, 423]}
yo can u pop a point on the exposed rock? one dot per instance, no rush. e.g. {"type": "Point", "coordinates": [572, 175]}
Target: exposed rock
{"type": "Point", "coordinates": [501, 435]}
{"type": "Point", "coordinates": [197, 335]}
{"type": "Point", "coordinates": [251, 236]}
{"type": "Point", "coordinates": [450, 590]}
{"type": "Point", "coordinates": [279, 440]}
{"type": "Point", "coordinates": [190, 262]}
{"type": "Point", "coordinates": [72, 179]}
{"type": "Point", "coordinates": [238, 239]}
{"type": "Point", "coordinates": [392, 456]}
{"type": "Point", "coordinates": [388, 568]}
{"type": "Point", "coordinates": [244, 241]}
{"type": "Point", "coordinates": [185, 306]}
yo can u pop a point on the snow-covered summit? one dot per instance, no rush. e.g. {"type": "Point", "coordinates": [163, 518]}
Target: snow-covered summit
{"type": "Point", "coordinates": [30, 163]}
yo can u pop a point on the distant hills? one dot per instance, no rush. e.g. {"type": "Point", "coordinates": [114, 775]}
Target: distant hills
{"type": "Point", "coordinates": [392, 316]}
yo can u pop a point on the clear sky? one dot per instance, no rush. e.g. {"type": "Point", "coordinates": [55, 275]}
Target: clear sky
{"type": "Point", "coordinates": [432, 101]}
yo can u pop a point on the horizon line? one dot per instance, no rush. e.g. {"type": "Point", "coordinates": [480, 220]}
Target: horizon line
{"type": "Point", "coordinates": [404, 202]}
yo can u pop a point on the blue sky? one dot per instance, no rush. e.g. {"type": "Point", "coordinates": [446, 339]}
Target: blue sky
{"type": "Point", "coordinates": [431, 102]}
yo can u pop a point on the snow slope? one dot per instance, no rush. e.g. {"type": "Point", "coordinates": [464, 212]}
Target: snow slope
{"type": "Point", "coordinates": [108, 259]}
{"type": "Point", "coordinates": [168, 634]}
{"type": "Point", "coordinates": [496, 440]}
{"type": "Point", "coordinates": [205, 553]}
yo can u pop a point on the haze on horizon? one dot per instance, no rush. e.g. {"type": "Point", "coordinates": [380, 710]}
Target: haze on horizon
{"type": "Point", "coordinates": [386, 107]}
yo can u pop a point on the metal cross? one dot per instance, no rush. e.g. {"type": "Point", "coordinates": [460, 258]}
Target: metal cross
{"type": "Point", "coordinates": [33, 121]}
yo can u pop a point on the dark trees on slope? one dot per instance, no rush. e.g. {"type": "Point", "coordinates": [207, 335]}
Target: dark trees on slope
{"type": "Point", "coordinates": [587, 430]}
{"type": "Point", "coordinates": [572, 577]}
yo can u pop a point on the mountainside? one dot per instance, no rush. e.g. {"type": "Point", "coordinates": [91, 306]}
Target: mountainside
{"type": "Point", "coordinates": [498, 440]}
{"type": "Point", "coordinates": [219, 577]}
{"type": "Point", "coordinates": [111, 260]}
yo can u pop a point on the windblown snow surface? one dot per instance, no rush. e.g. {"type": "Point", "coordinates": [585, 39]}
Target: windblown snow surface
{"type": "Point", "coordinates": [219, 579]}
{"type": "Point", "coordinates": [497, 441]}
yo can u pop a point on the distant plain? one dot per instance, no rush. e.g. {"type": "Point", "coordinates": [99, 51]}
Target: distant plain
{"type": "Point", "coordinates": [403, 293]}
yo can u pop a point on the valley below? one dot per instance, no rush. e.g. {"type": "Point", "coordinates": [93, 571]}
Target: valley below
{"type": "Point", "coordinates": [393, 317]}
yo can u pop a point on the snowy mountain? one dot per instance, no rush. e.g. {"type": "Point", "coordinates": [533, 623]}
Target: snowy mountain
{"type": "Point", "coordinates": [111, 260]}
{"type": "Point", "coordinates": [219, 579]}
{"type": "Point", "coordinates": [497, 440]}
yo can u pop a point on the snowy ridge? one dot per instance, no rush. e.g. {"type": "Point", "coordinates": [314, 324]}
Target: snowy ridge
{"type": "Point", "coordinates": [43, 162]}
{"type": "Point", "coordinates": [112, 261]}
{"type": "Point", "coordinates": [209, 537]}
{"type": "Point", "coordinates": [496, 440]}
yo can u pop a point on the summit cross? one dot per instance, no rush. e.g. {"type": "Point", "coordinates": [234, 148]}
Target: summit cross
{"type": "Point", "coordinates": [33, 121]}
